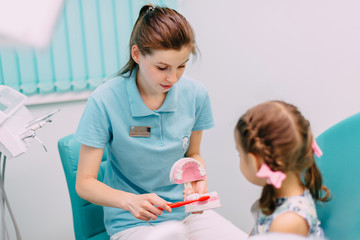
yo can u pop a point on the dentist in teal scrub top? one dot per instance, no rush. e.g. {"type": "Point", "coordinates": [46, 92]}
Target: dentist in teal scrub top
{"type": "Point", "coordinates": [147, 118]}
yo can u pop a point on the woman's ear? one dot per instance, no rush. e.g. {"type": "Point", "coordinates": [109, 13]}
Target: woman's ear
{"type": "Point", "coordinates": [135, 53]}
{"type": "Point", "coordinates": [256, 161]}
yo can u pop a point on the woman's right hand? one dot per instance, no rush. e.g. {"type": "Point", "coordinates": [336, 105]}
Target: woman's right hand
{"type": "Point", "coordinates": [145, 206]}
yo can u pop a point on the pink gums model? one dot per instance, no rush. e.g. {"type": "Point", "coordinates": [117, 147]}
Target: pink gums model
{"type": "Point", "coordinates": [212, 202]}
{"type": "Point", "coordinates": [187, 170]}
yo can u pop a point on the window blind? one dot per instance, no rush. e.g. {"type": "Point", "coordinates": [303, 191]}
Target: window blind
{"type": "Point", "coordinates": [89, 45]}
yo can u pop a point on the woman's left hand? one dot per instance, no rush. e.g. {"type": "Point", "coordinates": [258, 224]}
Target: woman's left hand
{"type": "Point", "coordinates": [196, 187]}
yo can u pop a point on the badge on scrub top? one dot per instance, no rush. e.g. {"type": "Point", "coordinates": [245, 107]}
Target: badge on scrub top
{"type": "Point", "coordinates": [139, 131]}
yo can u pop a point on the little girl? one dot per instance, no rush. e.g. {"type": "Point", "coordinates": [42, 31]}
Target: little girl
{"type": "Point", "coordinates": [276, 150]}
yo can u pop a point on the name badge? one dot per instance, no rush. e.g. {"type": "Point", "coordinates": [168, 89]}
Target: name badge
{"type": "Point", "coordinates": [139, 131]}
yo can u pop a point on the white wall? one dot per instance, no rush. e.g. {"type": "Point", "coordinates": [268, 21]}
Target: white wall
{"type": "Point", "coordinates": [303, 52]}
{"type": "Point", "coordinates": [35, 182]}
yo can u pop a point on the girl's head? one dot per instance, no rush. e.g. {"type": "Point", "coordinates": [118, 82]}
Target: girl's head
{"type": "Point", "coordinates": [277, 134]}
{"type": "Point", "coordinates": [159, 28]}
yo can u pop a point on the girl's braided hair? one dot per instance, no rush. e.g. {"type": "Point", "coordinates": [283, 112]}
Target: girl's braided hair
{"type": "Point", "coordinates": [278, 133]}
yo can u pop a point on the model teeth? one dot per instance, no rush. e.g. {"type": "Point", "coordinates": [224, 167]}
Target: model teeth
{"type": "Point", "coordinates": [179, 172]}
{"type": "Point", "coordinates": [194, 196]}
{"type": "Point", "coordinates": [212, 202]}
{"type": "Point", "coordinates": [202, 170]}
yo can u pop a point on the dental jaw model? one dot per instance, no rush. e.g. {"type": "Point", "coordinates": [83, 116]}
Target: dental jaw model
{"type": "Point", "coordinates": [187, 170]}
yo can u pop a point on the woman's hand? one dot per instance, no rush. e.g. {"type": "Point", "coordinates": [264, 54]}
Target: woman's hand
{"type": "Point", "coordinates": [145, 206]}
{"type": "Point", "coordinates": [196, 187]}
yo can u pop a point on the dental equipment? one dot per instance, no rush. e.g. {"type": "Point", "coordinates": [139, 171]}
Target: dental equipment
{"type": "Point", "coordinates": [17, 128]}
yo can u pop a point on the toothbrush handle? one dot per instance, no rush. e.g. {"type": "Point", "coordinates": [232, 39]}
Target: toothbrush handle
{"type": "Point", "coordinates": [179, 204]}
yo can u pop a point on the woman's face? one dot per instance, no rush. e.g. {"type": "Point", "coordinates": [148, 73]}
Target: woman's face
{"type": "Point", "coordinates": [159, 71]}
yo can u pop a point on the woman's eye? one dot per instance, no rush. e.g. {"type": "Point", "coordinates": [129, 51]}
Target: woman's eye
{"type": "Point", "coordinates": [161, 68]}
{"type": "Point", "coordinates": [182, 66]}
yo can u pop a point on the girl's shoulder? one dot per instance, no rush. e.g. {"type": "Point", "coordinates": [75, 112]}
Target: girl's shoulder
{"type": "Point", "coordinates": [303, 205]}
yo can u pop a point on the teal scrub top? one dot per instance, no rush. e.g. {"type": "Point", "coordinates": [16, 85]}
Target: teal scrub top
{"type": "Point", "coordinates": [142, 164]}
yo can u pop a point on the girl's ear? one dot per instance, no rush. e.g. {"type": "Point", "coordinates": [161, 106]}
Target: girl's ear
{"type": "Point", "coordinates": [256, 160]}
{"type": "Point", "coordinates": [135, 53]}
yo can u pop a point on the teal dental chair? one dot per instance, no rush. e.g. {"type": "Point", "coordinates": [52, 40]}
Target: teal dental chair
{"type": "Point", "coordinates": [340, 168]}
{"type": "Point", "coordinates": [88, 218]}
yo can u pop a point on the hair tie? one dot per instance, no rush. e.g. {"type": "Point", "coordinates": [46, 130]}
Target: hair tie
{"type": "Point", "coordinates": [316, 149]}
{"type": "Point", "coordinates": [274, 178]}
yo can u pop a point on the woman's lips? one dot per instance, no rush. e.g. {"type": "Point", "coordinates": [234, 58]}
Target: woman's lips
{"type": "Point", "coordinates": [166, 86]}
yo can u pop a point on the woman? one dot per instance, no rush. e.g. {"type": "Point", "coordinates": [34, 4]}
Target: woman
{"type": "Point", "coordinates": [147, 118]}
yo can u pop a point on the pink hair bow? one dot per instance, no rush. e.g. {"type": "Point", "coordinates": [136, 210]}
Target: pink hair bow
{"type": "Point", "coordinates": [273, 178]}
{"type": "Point", "coordinates": [316, 149]}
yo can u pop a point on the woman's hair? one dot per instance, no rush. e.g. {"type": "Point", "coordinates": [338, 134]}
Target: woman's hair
{"type": "Point", "coordinates": [159, 28]}
{"type": "Point", "coordinates": [278, 133]}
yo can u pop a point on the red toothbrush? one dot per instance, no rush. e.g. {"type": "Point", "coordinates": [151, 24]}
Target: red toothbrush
{"type": "Point", "coordinates": [179, 204]}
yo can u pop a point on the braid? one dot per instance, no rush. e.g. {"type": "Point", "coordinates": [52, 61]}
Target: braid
{"type": "Point", "coordinates": [267, 201]}
{"type": "Point", "coordinates": [313, 181]}
{"type": "Point", "coordinates": [278, 133]}
{"type": "Point", "coordinates": [254, 139]}
{"type": "Point", "coordinates": [312, 176]}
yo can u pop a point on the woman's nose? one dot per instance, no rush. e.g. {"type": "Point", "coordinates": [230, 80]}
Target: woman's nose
{"type": "Point", "coordinates": [172, 77]}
